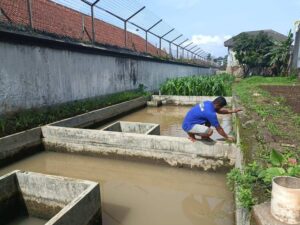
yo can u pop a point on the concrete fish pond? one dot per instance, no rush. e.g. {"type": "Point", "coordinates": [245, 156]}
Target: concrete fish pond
{"type": "Point", "coordinates": [49, 199]}
{"type": "Point", "coordinates": [128, 148]}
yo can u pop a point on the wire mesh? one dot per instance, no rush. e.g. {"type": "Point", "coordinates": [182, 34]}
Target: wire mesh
{"type": "Point", "coordinates": [121, 23]}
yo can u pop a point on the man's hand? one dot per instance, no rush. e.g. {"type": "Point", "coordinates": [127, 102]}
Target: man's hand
{"type": "Point", "coordinates": [227, 111]}
{"type": "Point", "coordinates": [231, 138]}
{"type": "Point", "coordinates": [237, 110]}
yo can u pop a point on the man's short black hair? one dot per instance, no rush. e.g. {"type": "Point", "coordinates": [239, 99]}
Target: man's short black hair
{"type": "Point", "coordinates": [221, 101]}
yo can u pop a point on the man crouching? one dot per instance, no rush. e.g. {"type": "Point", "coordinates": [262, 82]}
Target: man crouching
{"type": "Point", "coordinates": [199, 119]}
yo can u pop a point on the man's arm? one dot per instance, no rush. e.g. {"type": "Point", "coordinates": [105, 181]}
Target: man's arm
{"type": "Point", "coordinates": [222, 133]}
{"type": "Point", "coordinates": [228, 111]}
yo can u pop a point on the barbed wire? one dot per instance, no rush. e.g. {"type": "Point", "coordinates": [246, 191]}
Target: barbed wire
{"type": "Point", "coordinates": [145, 19]}
{"type": "Point", "coordinates": [133, 17]}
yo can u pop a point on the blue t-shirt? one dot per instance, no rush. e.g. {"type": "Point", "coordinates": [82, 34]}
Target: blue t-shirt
{"type": "Point", "coordinates": [200, 114]}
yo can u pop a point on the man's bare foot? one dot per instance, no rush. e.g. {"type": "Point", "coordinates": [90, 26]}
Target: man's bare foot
{"type": "Point", "coordinates": [192, 139]}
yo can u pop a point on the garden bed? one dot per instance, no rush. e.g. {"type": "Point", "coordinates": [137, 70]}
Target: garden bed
{"type": "Point", "coordinates": [269, 131]}
{"type": "Point", "coordinates": [291, 94]}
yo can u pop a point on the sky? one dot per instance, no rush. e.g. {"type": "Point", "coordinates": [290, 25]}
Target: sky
{"type": "Point", "coordinates": [206, 23]}
{"type": "Point", "coordinates": [210, 22]}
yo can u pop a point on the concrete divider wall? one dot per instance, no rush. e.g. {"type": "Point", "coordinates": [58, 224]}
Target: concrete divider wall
{"type": "Point", "coordinates": [19, 145]}
{"type": "Point", "coordinates": [96, 116]}
{"type": "Point", "coordinates": [242, 215]}
{"type": "Point", "coordinates": [34, 75]}
{"type": "Point", "coordinates": [173, 150]}
{"type": "Point", "coordinates": [185, 100]}
{"type": "Point", "coordinates": [22, 144]}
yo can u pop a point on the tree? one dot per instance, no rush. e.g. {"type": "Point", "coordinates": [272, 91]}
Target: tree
{"type": "Point", "coordinates": [280, 55]}
{"type": "Point", "coordinates": [251, 51]}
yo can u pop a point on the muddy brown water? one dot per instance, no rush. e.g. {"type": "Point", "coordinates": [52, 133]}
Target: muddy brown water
{"type": "Point", "coordinates": [170, 120]}
{"type": "Point", "coordinates": [135, 193]}
{"type": "Point", "coordinates": [28, 221]}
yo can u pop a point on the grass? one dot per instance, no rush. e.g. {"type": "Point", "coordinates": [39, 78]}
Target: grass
{"type": "Point", "coordinates": [260, 101]}
{"type": "Point", "coordinates": [28, 119]}
{"type": "Point", "coordinates": [274, 129]}
{"type": "Point", "coordinates": [218, 85]}
{"type": "Point", "coordinates": [274, 126]}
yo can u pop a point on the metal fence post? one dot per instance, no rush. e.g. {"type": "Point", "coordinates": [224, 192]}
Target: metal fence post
{"type": "Point", "coordinates": [185, 48]}
{"type": "Point", "coordinates": [148, 31]}
{"type": "Point", "coordinates": [162, 37]}
{"type": "Point", "coordinates": [29, 7]}
{"type": "Point", "coordinates": [126, 20]}
{"type": "Point", "coordinates": [173, 41]}
{"type": "Point", "coordinates": [93, 22]}
{"type": "Point", "coordinates": [92, 16]}
{"type": "Point", "coordinates": [93, 26]}
{"type": "Point", "coordinates": [179, 45]}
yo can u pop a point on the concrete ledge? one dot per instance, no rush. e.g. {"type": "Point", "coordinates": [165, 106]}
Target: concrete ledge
{"type": "Point", "coordinates": [96, 116]}
{"type": "Point", "coordinates": [242, 215]}
{"type": "Point", "coordinates": [134, 127]}
{"type": "Point", "coordinates": [262, 215]}
{"type": "Point", "coordinates": [173, 150]}
{"type": "Point", "coordinates": [58, 200]}
{"type": "Point", "coordinates": [18, 145]}
{"type": "Point", "coordinates": [154, 103]}
{"type": "Point", "coordinates": [185, 100]}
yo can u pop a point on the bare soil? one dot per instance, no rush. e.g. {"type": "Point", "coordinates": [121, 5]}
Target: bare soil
{"type": "Point", "coordinates": [290, 93]}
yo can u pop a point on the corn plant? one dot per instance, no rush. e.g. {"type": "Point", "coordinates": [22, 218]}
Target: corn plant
{"type": "Point", "coordinates": [199, 85]}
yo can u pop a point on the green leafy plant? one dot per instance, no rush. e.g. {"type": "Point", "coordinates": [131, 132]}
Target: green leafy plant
{"type": "Point", "coordinates": [280, 55]}
{"type": "Point", "coordinates": [199, 85]}
{"type": "Point", "coordinates": [254, 175]}
{"type": "Point", "coordinates": [242, 182]}
{"type": "Point", "coordinates": [280, 166]}
{"type": "Point", "coordinates": [251, 50]}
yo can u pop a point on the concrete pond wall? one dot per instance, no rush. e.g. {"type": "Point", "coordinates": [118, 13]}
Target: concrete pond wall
{"type": "Point", "coordinates": [58, 200]}
{"type": "Point", "coordinates": [134, 127]}
{"type": "Point", "coordinates": [62, 136]}
{"type": "Point", "coordinates": [185, 100]}
{"type": "Point", "coordinates": [173, 150]}
{"type": "Point", "coordinates": [35, 72]}
{"type": "Point", "coordinates": [21, 144]}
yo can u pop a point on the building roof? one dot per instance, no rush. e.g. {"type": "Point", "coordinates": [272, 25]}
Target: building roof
{"type": "Point", "coordinates": [271, 33]}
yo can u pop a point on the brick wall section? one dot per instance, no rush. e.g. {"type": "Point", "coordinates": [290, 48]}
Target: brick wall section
{"type": "Point", "coordinates": [54, 18]}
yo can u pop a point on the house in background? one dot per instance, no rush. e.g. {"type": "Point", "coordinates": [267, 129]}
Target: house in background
{"type": "Point", "coordinates": [233, 65]}
{"type": "Point", "coordinates": [221, 62]}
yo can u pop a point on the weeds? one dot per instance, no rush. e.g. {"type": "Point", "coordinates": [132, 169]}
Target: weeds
{"type": "Point", "coordinates": [272, 127]}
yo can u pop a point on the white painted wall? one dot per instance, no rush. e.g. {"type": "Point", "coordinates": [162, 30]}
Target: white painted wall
{"type": "Point", "coordinates": [231, 60]}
